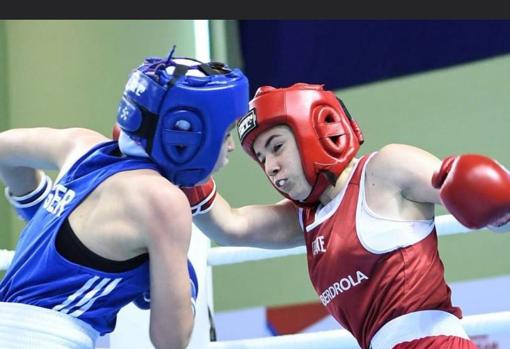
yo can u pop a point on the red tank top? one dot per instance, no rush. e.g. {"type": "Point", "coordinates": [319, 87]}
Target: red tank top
{"type": "Point", "coordinates": [364, 290]}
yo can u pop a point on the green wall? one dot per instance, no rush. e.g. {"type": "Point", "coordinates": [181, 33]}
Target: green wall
{"type": "Point", "coordinates": [5, 220]}
{"type": "Point", "coordinates": [67, 73]}
{"type": "Point", "coordinates": [72, 73]}
{"type": "Point", "coordinates": [456, 110]}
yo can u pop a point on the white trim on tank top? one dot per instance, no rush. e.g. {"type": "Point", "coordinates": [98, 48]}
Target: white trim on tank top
{"type": "Point", "coordinates": [379, 234]}
{"type": "Point", "coordinates": [404, 232]}
{"type": "Point", "coordinates": [417, 325]}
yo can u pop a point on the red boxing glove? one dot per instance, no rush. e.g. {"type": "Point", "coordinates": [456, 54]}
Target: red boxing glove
{"type": "Point", "coordinates": [474, 189]}
{"type": "Point", "coordinates": [201, 197]}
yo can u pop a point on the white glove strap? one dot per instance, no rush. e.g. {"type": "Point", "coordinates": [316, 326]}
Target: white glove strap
{"type": "Point", "coordinates": [34, 197]}
{"type": "Point", "coordinates": [205, 205]}
{"type": "Point", "coordinates": [193, 307]}
{"type": "Point", "coordinates": [505, 228]}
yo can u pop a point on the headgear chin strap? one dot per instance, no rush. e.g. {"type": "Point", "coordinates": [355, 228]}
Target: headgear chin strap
{"type": "Point", "coordinates": [326, 135]}
{"type": "Point", "coordinates": [178, 110]}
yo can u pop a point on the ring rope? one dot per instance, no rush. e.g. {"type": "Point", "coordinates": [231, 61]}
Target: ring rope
{"type": "Point", "coordinates": [493, 323]}
{"type": "Point", "coordinates": [445, 225]}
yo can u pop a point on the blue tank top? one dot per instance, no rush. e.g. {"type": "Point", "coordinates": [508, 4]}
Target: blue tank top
{"type": "Point", "coordinates": [40, 276]}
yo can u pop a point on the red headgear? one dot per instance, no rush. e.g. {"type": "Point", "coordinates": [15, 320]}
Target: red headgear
{"type": "Point", "coordinates": [326, 135]}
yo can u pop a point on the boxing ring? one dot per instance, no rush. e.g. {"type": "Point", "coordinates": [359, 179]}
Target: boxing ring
{"type": "Point", "coordinates": [490, 323]}
{"type": "Point", "coordinates": [132, 325]}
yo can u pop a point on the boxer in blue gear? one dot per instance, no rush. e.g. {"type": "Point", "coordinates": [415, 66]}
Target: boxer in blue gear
{"type": "Point", "coordinates": [115, 225]}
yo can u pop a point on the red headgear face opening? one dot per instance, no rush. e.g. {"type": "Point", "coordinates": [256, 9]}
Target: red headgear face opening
{"type": "Point", "coordinates": [326, 135]}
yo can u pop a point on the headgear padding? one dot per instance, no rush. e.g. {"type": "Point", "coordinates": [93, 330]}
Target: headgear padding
{"type": "Point", "coordinates": [179, 111]}
{"type": "Point", "coordinates": [326, 135]}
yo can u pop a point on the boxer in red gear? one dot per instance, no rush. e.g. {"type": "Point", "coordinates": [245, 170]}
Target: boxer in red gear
{"type": "Point", "coordinates": [367, 223]}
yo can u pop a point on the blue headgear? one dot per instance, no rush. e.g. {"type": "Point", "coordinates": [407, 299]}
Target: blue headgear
{"type": "Point", "coordinates": [180, 113]}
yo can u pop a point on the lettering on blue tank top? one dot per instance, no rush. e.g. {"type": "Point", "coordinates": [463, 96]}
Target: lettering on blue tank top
{"type": "Point", "coordinates": [58, 199]}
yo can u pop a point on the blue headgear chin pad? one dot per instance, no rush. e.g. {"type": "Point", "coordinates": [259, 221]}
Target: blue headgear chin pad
{"type": "Point", "coordinates": [180, 113]}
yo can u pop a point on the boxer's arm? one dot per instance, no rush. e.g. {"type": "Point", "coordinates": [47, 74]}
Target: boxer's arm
{"type": "Point", "coordinates": [165, 218]}
{"type": "Point", "coordinates": [24, 150]}
{"type": "Point", "coordinates": [264, 226]}
{"type": "Point", "coordinates": [468, 192]}
{"type": "Point", "coordinates": [406, 170]}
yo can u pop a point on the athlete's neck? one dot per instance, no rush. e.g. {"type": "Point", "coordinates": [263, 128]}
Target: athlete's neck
{"type": "Point", "coordinates": [333, 190]}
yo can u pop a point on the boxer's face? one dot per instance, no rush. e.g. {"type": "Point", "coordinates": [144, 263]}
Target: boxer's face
{"type": "Point", "coordinates": [277, 151]}
{"type": "Point", "coordinates": [227, 147]}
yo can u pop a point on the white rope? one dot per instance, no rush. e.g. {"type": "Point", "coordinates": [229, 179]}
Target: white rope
{"type": "Point", "coordinates": [445, 225]}
{"type": "Point", "coordinates": [231, 255]}
{"type": "Point", "coordinates": [5, 259]}
{"type": "Point", "coordinates": [493, 323]}
{"type": "Point", "coordinates": [448, 225]}
{"type": "Point", "coordinates": [335, 339]}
